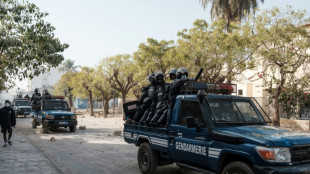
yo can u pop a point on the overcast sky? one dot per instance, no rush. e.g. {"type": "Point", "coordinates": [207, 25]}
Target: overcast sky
{"type": "Point", "coordinates": [95, 29]}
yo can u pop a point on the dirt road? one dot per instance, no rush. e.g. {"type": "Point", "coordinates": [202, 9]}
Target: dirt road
{"type": "Point", "coordinates": [94, 150]}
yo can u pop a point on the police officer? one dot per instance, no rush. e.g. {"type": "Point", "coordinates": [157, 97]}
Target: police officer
{"type": "Point", "coordinates": [146, 98]}
{"type": "Point", "coordinates": [158, 100]}
{"type": "Point", "coordinates": [36, 100]}
{"type": "Point", "coordinates": [7, 121]}
{"type": "Point", "coordinates": [161, 114]}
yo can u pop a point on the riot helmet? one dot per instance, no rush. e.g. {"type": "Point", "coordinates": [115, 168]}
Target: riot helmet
{"type": "Point", "coordinates": [7, 103]}
{"type": "Point", "coordinates": [182, 73]}
{"type": "Point", "coordinates": [160, 77]}
{"type": "Point", "coordinates": [151, 78]}
{"type": "Point", "coordinates": [173, 73]}
{"type": "Point", "coordinates": [36, 90]}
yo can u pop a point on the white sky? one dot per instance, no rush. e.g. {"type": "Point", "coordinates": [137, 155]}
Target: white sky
{"type": "Point", "coordinates": [95, 29]}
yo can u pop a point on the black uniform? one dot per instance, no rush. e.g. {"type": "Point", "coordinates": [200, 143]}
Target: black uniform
{"type": "Point", "coordinates": [157, 104]}
{"type": "Point", "coordinates": [36, 101]}
{"type": "Point", "coordinates": [145, 101]}
{"type": "Point", "coordinates": [7, 119]}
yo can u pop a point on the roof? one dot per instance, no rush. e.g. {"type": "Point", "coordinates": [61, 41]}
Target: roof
{"type": "Point", "coordinates": [194, 97]}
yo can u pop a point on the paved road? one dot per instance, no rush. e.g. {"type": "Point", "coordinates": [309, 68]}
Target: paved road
{"type": "Point", "coordinates": [23, 156]}
{"type": "Point", "coordinates": [71, 153]}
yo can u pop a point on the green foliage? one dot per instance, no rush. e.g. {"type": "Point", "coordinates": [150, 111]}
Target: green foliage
{"type": "Point", "coordinates": [63, 83]}
{"type": "Point", "coordinates": [210, 47]}
{"type": "Point", "coordinates": [230, 10]}
{"type": "Point", "coordinates": [28, 46]}
{"type": "Point", "coordinates": [284, 52]}
{"type": "Point", "coordinates": [68, 66]}
{"type": "Point", "coordinates": [83, 82]}
{"type": "Point", "coordinates": [120, 71]}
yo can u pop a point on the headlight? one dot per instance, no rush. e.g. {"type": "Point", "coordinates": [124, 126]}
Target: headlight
{"type": "Point", "coordinates": [50, 116]}
{"type": "Point", "coordinates": [73, 117]}
{"type": "Point", "coordinates": [277, 154]}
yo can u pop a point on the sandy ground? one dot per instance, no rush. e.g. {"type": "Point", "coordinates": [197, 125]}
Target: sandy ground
{"type": "Point", "coordinates": [94, 150]}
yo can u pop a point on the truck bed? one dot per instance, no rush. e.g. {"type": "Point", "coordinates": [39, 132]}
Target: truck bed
{"type": "Point", "coordinates": [156, 137]}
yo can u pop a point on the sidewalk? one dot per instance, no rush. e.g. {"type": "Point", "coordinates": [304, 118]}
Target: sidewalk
{"type": "Point", "coordinates": [23, 158]}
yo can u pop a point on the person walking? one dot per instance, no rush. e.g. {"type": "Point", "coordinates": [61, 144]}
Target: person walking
{"type": "Point", "coordinates": [7, 121]}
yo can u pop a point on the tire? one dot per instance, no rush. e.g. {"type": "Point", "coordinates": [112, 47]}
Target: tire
{"type": "Point", "coordinates": [238, 167]}
{"type": "Point", "coordinates": [34, 123]}
{"type": "Point", "coordinates": [72, 128]}
{"type": "Point", "coordinates": [45, 127]}
{"type": "Point", "coordinates": [147, 159]}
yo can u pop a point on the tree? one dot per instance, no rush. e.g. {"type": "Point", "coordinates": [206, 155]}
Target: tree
{"type": "Point", "coordinates": [83, 85]}
{"type": "Point", "coordinates": [68, 66]}
{"type": "Point", "coordinates": [120, 73]}
{"type": "Point", "coordinates": [64, 87]}
{"type": "Point", "coordinates": [28, 46]}
{"type": "Point", "coordinates": [101, 83]}
{"type": "Point", "coordinates": [284, 50]}
{"type": "Point", "coordinates": [230, 10]}
{"type": "Point", "coordinates": [150, 57]}
{"type": "Point", "coordinates": [210, 47]}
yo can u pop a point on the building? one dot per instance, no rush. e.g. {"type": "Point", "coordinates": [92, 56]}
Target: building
{"type": "Point", "coordinates": [45, 80]}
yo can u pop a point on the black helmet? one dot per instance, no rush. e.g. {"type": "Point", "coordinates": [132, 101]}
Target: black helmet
{"type": "Point", "coordinates": [160, 77]}
{"type": "Point", "coordinates": [151, 78]}
{"type": "Point", "coordinates": [182, 72]}
{"type": "Point", "coordinates": [173, 73]}
{"type": "Point", "coordinates": [36, 90]}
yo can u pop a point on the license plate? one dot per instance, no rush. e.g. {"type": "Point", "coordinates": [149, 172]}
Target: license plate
{"type": "Point", "coordinates": [63, 122]}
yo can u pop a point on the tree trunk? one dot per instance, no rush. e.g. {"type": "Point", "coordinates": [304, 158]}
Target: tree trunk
{"type": "Point", "coordinates": [91, 103]}
{"type": "Point", "coordinates": [70, 101]}
{"type": "Point", "coordinates": [106, 107]}
{"type": "Point", "coordinates": [123, 101]}
{"type": "Point", "coordinates": [276, 117]}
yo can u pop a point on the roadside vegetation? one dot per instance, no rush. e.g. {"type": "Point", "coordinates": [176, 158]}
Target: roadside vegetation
{"type": "Point", "coordinates": [233, 43]}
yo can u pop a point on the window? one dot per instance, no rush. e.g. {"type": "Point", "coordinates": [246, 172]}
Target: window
{"type": "Point", "coordinates": [191, 108]}
{"type": "Point", "coordinates": [240, 92]}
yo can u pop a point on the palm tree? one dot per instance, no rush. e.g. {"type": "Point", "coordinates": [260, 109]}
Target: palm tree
{"type": "Point", "coordinates": [230, 10]}
{"type": "Point", "coordinates": [68, 66]}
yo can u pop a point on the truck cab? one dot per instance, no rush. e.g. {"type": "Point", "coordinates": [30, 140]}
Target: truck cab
{"type": "Point", "coordinates": [54, 113]}
{"type": "Point", "coordinates": [220, 134]}
{"type": "Point", "coordinates": [21, 106]}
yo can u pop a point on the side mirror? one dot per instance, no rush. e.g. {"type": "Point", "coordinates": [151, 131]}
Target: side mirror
{"type": "Point", "coordinates": [190, 122]}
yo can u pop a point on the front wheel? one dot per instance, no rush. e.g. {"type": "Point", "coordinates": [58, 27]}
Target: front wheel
{"type": "Point", "coordinates": [34, 123]}
{"type": "Point", "coordinates": [147, 159]}
{"type": "Point", "coordinates": [72, 128]}
{"type": "Point", "coordinates": [45, 127]}
{"type": "Point", "coordinates": [238, 167]}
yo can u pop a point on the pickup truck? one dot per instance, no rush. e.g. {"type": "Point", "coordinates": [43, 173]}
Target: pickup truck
{"type": "Point", "coordinates": [21, 106]}
{"type": "Point", "coordinates": [54, 113]}
{"type": "Point", "coordinates": [222, 134]}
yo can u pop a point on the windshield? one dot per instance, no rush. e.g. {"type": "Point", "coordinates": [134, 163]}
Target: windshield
{"type": "Point", "coordinates": [234, 111]}
{"type": "Point", "coordinates": [22, 103]}
{"type": "Point", "coordinates": [55, 105]}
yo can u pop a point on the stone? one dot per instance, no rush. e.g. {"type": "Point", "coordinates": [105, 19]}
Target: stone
{"type": "Point", "coordinates": [23, 141]}
{"type": "Point", "coordinates": [82, 127]}
{"type": "Point", "coordinates": [117, 133]}
{"type": "Point", "coordinates": [53, 139]}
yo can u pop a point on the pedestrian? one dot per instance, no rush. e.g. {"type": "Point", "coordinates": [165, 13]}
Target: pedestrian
{"type": "Point", "coordinates": [7, 121]}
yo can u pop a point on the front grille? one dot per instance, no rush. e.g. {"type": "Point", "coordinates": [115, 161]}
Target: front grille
{"type": "Point", "coordinates": [25, 109]}
{"type": "Point", "coordinates": [62, 117]}
{"type": "Point", "coordinates": [301, 153]}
